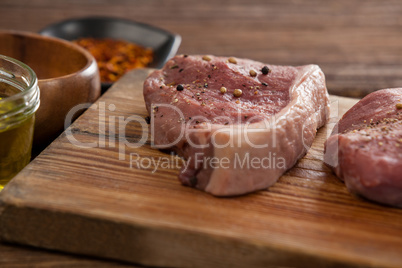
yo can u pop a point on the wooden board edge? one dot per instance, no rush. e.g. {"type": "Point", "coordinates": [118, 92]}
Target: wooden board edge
{"type": "Point", "coordinates": [54, 230]}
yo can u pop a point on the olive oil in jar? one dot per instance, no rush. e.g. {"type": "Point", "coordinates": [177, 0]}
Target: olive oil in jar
{"type": "Point", "coordinates": [19, 100]}
{"type": "Point", "coordinates": [15, 145]}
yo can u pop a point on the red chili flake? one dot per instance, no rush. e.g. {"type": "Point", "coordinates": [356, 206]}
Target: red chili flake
{"type": "Point", "coordinates": [116, 57]}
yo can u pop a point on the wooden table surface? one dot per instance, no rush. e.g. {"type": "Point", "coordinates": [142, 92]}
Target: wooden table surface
{"type": "Point", "coordinates": [357, 44]}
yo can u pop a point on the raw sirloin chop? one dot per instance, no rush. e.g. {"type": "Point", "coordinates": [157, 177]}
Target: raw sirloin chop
{"type": "Point", "coordinates": [365, 148]}
{"type": "Point", "coordinates": [240, 123]}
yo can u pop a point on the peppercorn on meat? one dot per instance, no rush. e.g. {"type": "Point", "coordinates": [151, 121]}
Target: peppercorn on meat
{"type": "Point", "coordinates": [239, 123]}
{"type": "Point", "coordinates": [365, 148]}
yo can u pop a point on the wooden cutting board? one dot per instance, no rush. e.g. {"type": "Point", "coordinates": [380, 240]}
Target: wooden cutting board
{"type": "Point", "coordinates": [88, 201]}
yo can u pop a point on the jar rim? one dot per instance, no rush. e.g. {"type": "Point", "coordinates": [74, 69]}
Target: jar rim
{"type": "Point", "coordinates": [23, 103]}
{"type": "Point", "coordinates": [31, 85]}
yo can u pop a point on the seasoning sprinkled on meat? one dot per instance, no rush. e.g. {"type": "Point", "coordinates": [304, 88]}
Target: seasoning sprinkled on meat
{"type": "Point", "coordinates": [232, 60]}
{"type": "Point", "coordinates": [179, 87]}
{"type": "Point", "coordinates": [253, 73]}
{"type": "Point", "coordinates": [265, 70]}
{"type": "Point", "coordinates": [237, 92]}
{"type": "Point", "coordinates": [225, 98]}
{"type": "Point", "coordinates": [366, 151]}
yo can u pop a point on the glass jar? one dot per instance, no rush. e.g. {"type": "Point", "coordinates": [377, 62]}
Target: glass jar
{"type": "Point", "coordinates": [19, 100]}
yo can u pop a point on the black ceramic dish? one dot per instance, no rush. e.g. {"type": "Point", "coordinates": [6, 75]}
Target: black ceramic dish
{"type": "Point", "coordinates": [164, 44]}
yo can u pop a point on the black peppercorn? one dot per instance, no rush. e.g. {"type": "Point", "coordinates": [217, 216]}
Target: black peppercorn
{"type": "Point", "coordinates": [265, 70]}
{"type": "Point", "coordinates": [179, 87]}
{"type": "Point", "coordinates": [148, 120]}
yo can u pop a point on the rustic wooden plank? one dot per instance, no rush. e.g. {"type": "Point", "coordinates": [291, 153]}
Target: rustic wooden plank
{"type": "Point", "coordinates": [87, 201]}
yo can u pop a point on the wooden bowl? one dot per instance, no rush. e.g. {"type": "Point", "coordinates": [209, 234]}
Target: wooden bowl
{"type": "Point", "coordinates": [67, 76]}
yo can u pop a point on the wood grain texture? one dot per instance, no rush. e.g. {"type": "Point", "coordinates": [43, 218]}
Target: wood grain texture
{"type": "Point", "coordinates": [26, 257]}
{"type": "Point", "coordinates": [87, 201]}
{"type": "Point", "coordinates": [356, 43]}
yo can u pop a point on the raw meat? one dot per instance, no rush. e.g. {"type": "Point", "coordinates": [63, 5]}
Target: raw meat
{"type": "Point", "coordinates": [365, 148]}
{"type": "Point", "coordinates": [240, 123]}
